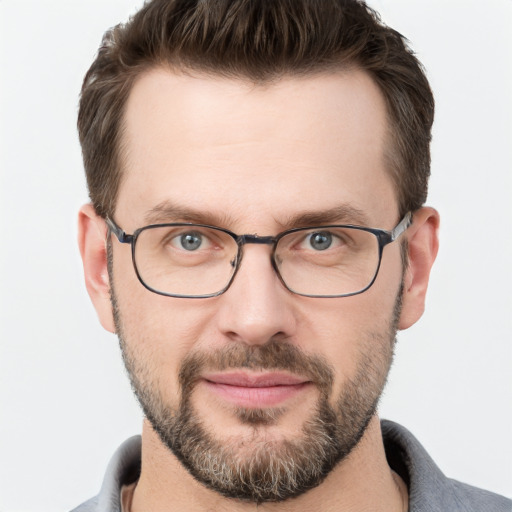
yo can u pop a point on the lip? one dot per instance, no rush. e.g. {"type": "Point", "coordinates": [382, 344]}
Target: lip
{"type": "Point", "coordinates": [255, 390]}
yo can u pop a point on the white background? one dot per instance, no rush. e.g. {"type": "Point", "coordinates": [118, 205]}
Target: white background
{"type": "Point", "coordinates": [65, 403]}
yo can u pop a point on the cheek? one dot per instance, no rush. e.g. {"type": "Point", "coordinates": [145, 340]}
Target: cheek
{"type": "Point", "coordinates": [158, 332]}
{"type": "Point", "coordinates": [345, 330]}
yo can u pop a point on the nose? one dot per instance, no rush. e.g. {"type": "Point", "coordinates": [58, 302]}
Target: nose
{"type": "Point", "coordinates": [257, 307]}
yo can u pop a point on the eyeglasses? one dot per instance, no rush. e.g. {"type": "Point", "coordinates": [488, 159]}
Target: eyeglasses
{"type": "Point", "coordinates": [199, 261]}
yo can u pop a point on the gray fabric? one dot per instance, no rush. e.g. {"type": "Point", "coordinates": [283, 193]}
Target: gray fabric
{"type": "Point", "coordinates": [429, 489]}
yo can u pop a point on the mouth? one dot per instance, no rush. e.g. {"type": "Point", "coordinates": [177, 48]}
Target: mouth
{"type": "Point", "coordinates": [255, 390]}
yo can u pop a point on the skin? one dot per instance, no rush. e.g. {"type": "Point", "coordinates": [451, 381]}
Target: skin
{"type": "Point", "coordinates": [250, 158]}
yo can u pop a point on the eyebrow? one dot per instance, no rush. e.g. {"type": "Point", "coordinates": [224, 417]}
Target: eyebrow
{"type": "Point", "coordinates": [342, 214]}
{"type": "Point", "coordinates": [167, 211]}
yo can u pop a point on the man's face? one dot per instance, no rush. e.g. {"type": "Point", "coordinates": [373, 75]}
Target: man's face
{"type": "Point", "coordinates": [259, 392]}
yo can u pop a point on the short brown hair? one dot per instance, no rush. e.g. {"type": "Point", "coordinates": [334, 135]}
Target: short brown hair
{"type": "Point", "coordinates": [259, 40]}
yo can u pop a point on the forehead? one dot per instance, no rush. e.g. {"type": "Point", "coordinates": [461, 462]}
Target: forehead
{"type": "Point", "coordinates": [255, 153]}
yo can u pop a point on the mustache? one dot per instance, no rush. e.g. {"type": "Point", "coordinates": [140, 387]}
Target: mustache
{"type": "Point", "coordinates": [273, 355]}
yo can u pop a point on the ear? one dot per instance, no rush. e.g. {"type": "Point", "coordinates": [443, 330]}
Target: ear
{"type": "Point", "coordinates": [423, 244]}
{"type": "Point", "coordinates": [92, 237]}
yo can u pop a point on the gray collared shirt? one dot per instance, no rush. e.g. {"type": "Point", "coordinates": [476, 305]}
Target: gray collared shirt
{"type": "Point", "coordinates": [429, 489]}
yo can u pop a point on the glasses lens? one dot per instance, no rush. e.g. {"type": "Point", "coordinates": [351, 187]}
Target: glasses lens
{"type": "Point", "coordinates": [185, 259]}
{"type": "Point", "coordinates": [329, 261]}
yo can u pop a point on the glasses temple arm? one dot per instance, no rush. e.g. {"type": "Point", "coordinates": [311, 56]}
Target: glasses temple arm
{"type": "Point", "coordinates": [402, 226]}
{"type": "Point", "coordinates": [120, 234]}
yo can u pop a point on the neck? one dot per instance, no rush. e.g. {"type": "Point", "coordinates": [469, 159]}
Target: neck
{"type": "Point", "coordinates": [361, 482]}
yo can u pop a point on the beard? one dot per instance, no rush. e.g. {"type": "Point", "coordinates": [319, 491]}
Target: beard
{"type": "Point", "coordinates": [256, 469]}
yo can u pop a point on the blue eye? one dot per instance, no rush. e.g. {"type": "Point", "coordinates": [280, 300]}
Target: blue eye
{"type": "Point", "coordinates": [191, 241]}
{"type": "Point", "coordinates": [320, 241]}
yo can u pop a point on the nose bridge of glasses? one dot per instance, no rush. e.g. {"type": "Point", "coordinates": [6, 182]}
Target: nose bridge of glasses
{"type": "Point", "coordinates": [255, 239]}
{"type": "Point", "coordinates": [242, 240]}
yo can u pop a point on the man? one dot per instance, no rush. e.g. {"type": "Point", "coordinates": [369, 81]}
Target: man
{"type": "Point", "coordinates": [256, 237]}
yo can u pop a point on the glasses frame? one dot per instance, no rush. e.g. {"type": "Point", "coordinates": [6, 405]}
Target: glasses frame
{"type": "Point", "coordinates": [383, 238]}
